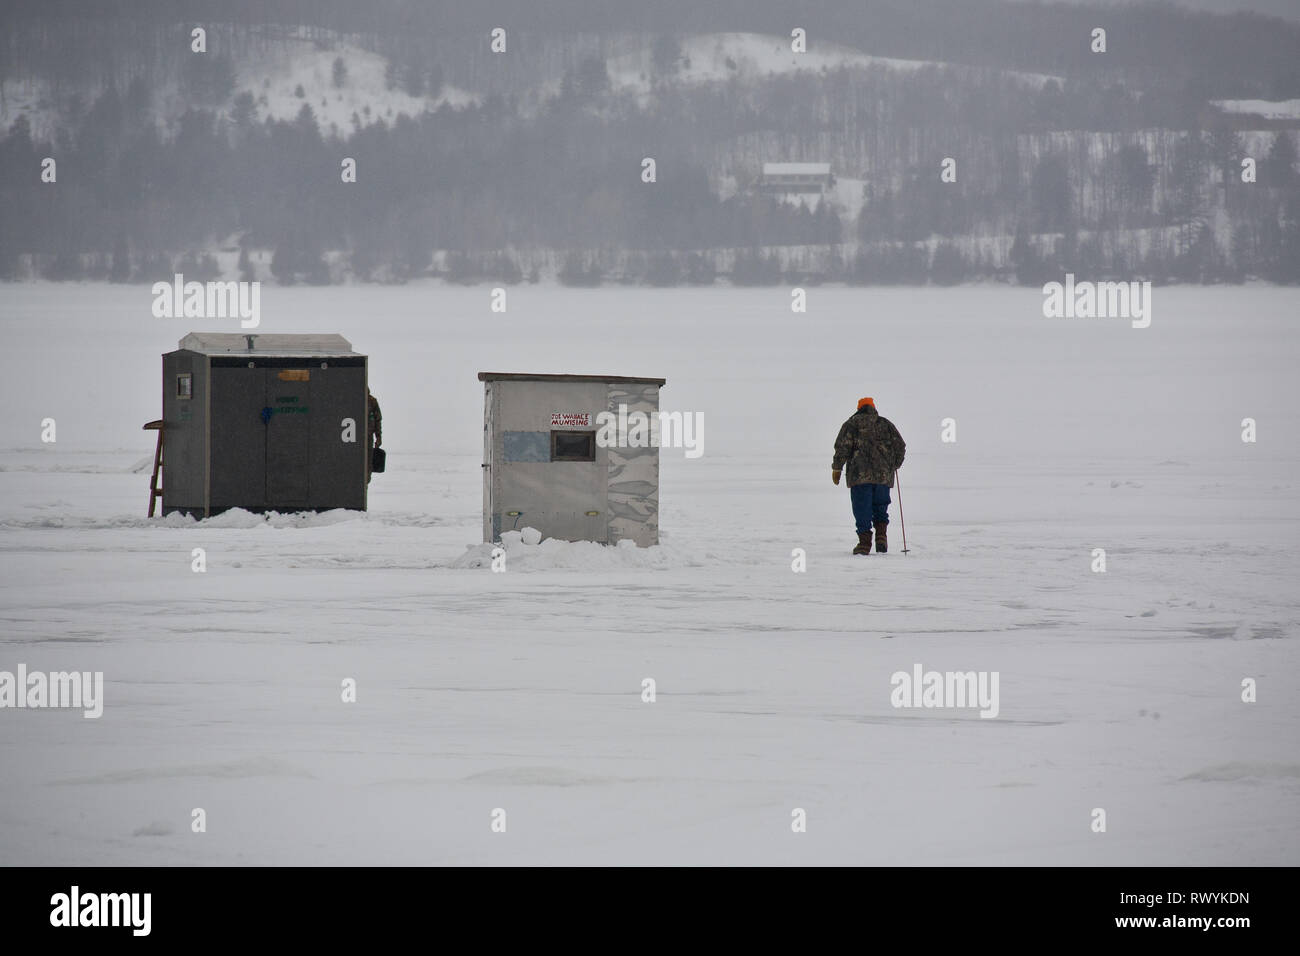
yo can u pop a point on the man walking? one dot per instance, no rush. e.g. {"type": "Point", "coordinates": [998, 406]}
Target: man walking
{"type": "Point", "coordinates": [874, 450]}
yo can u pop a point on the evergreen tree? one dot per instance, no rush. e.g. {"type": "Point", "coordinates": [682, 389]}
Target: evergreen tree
{"type": "Point", "coordinates": [1279, 167]}
{"type": "Point", "coordinates": [246, 273]}
{"type": "Point", "coordinates": [120, 271]}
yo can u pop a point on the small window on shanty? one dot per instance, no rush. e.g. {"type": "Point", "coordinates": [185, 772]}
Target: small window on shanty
{"type": "Point", "coordinates": [185, 385]}
{"type": "Point", "coordinates": [573, 446]}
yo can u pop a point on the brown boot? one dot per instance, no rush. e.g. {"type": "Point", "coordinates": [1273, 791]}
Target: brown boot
{"type": "Point", "coordinates": [864, 543]}
{"type": "Point", "coordinates": [882, 543]}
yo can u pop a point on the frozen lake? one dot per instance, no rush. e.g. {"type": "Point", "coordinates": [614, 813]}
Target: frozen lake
{"type": "Point", "coordinates": [522, 691]}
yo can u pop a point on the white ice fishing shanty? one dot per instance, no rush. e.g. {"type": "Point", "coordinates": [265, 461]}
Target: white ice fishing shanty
{"type": "Point", "coordinates": [544, 468]}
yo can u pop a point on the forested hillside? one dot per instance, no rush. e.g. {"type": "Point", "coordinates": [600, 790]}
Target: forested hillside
{"type": "Point", "coordinates": [526, 164]}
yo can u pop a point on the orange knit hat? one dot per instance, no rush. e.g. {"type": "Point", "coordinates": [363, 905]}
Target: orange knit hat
{"type": "Point", "coordinates": [866, 401]}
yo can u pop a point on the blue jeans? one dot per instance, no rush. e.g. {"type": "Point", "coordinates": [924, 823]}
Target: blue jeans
{"type": "Point", "coordinates": [870, 504]}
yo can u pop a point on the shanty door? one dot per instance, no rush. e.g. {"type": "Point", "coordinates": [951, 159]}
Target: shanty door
{"type": "Point", "coordinates": [287, 415]}
{"type": "Point", "coordinates": [238, 438]}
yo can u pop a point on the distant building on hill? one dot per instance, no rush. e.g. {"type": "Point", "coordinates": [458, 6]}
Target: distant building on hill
{"type": "Point", "coordinates": [797, 178]}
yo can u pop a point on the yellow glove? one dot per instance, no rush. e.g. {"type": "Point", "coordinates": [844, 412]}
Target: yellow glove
{"type": "Point", "coordinates": [835, 475]}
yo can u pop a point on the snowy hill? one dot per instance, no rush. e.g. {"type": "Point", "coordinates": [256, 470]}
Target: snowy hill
{"type": "Point", "coordinates": [281, 76]}
{"type": "Point", "coordinates": [304, 65]}
{"type": "Point", "coordinates": [514, 164]}
{"type": "Point", "coordinates": [290, 68]}
{"type": "Point", "coordinates": [745, 57]}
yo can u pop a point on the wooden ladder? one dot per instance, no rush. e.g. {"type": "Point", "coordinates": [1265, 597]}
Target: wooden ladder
{"type": "Point", "coordinates": [155, 492]}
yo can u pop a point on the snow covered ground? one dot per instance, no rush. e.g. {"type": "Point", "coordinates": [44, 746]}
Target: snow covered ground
{"type": "Point", "coordinates": [522, 691]}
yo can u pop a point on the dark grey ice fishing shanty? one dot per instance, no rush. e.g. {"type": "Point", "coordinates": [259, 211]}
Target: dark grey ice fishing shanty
{"type": "Point", "coordinates": [260, 422]}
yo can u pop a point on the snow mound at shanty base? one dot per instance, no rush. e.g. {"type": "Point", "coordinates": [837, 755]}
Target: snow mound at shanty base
{"type": "Point", "coordinates": [239, 518]}
{"type": "Point", "coordinates": [580, 555]}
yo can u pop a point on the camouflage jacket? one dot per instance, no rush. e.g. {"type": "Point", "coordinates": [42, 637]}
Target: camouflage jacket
{"type": "Point", "coordinates": [374, 420]}
{"type": "Point", "coordinates": [871, 446]}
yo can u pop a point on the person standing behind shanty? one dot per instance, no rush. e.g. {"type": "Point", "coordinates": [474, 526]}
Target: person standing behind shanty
{"type": "Point", "coordinates": [374, 431]}
{"type": "Point", "coordinates": [873, 449]}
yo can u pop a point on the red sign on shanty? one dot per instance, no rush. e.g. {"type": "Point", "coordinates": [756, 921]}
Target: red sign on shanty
{"type": "Point", "coordinates": [570, 419]}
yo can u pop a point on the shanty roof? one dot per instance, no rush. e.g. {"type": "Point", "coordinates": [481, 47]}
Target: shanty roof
{"type": "Point", "coordinates": [526, 377]}
{"type": "Point", "coordinates": [275, 343]}
{"type": "Point", "coordinates": [796, 169]}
